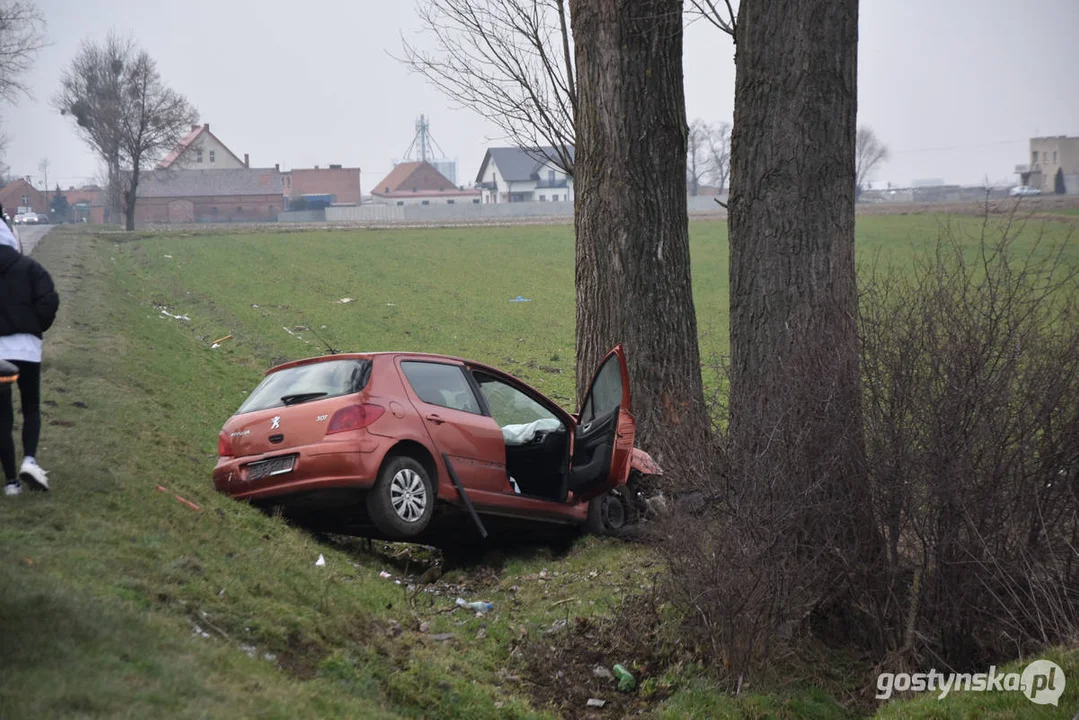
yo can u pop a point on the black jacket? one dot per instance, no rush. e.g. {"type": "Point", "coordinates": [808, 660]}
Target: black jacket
{"type": "Point", "coordinates": [28, 300]}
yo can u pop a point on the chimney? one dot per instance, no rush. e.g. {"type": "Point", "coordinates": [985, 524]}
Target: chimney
{"type": "Point", "coordinates": [277, 167]}
{"type": "Point", "coordinates": [194, 128]}
{"type": "Point", "coordinates": [316, 167]}
{"type": "Point", "coordinates": [207, 126]}
{"type": "Point", "coordinates": [247, 160]}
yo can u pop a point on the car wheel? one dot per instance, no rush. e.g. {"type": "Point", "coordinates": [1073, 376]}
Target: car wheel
{"type": "Point", "coordinates": [403, 499]}
{"type": "Point", "coordinates": [607, 514]}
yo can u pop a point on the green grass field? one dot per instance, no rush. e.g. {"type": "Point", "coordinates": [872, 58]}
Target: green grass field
{"type": "Point", "coordinates": [120, 602]}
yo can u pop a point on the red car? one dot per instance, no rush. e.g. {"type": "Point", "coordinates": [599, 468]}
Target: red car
{"type": "Point", "coordinates": [395, 440]}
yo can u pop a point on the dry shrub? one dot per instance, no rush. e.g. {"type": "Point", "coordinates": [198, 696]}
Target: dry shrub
{"type": "Point", "coordinates": [971, 367]}
{"type": "Point", "coordinates": [954, 545]}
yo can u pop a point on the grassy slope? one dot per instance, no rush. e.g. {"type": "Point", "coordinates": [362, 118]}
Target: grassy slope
{"type": "Point", "coordinates": [105, 578]}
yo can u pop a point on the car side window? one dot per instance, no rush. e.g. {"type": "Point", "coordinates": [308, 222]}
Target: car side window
{"type": "Point", "coordinates": [606, 394]}
{"type": "Point", "coordinates": [442, 385]}
{"type": "Point", "coordinates": [508, 405]}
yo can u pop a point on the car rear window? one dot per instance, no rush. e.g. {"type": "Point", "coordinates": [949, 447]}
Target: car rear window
{"type": "Point", "coordinates": [331, 377]}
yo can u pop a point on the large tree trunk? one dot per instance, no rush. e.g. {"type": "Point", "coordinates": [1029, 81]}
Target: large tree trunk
{"type": "Point", "coordinates": [633, 271]}
{"type": "Point", "coordinates": [793, 297]}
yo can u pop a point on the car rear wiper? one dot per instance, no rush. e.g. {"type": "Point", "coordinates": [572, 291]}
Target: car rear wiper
{"type": "Point", "coordinates": [301, 397]}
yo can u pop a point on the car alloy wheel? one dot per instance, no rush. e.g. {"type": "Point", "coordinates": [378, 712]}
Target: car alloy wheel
{"type": "Point", "coordinates": [408, 495]}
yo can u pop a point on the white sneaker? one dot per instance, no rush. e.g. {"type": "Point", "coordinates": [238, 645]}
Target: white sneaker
{"type": "Point", "coordinates": [12, 488]}
{"type": "Point", "coordinates": [33, 476]}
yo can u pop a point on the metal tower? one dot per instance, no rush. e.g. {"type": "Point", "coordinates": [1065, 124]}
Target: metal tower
{"type": "Point", "coordinates": [423, 147]}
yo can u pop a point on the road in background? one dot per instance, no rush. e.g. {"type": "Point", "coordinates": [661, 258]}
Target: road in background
{"type": "Point", "coordinates": [31, 235]}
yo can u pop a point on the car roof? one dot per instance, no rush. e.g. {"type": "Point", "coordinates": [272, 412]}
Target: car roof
{"type": "Point", "coordinates": [373, 355]}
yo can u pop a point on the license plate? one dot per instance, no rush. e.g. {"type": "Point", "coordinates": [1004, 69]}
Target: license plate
{"type": "Point", "coordinates": [270, 468]}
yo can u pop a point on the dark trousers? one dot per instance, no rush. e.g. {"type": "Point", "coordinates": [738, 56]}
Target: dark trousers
{"type": "Point", "coordinates": [30, 394]}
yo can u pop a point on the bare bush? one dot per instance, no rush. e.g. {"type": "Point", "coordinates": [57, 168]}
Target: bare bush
{"type": "Point", "coordinates": [971, 367]}
{"type": "Point", "coordinates": [966, 554]}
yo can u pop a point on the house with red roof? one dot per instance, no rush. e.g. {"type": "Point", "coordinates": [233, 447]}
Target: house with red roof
{"type": "Point", "coordinates": [200, 149]}
{"type": "Point", "coordinates": [420, 183]}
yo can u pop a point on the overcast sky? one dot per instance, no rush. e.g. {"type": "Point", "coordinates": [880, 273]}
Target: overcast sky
{"type": "Point", "coordinates": [954, 87]}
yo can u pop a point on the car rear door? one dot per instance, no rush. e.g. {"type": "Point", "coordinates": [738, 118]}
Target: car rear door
{"type": "Point", "coordinates": [453, 414]}
{"type": "Point", "coordinates": [603, 440]}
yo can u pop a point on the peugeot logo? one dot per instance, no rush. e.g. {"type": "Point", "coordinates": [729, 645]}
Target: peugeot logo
{"type": "Point", "coordinates": [275, 423]}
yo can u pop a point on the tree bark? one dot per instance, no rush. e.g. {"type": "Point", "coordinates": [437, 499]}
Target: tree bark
{"type": "Point", "coordinates": [633, 266]}
{"type": "Point", "coordinates": [793, 297]}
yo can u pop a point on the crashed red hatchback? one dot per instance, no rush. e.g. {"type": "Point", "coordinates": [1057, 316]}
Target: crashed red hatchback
{"type": "Point", "coordinates": [395, 440]}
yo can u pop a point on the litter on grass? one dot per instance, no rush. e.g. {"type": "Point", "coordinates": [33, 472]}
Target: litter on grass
{"type": "Point", "coordinates": [166, 313]}
{"type": "Point", "coordinates": [321, 562]}
{"type": "Point", "coordinates": [344, 301]}
{"type": "Point", "coordinates": [521, 299]}
{"type": "Point", "coordinates": [217, 343]}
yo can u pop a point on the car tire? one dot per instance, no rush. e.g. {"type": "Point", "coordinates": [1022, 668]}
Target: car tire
{"type": "Point", "coordinates": [403, 499]}
{"type": "Point", "coordinates": [608, 515]}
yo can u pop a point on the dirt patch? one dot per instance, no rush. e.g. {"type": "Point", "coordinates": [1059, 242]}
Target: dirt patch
{"type": "Point", "coordinates": [302, 658]}
{"type": "Point", "coordinates": [572, 662]}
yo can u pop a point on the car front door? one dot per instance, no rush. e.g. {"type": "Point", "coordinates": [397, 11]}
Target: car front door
{"type": "Point", "coordinates": [603, 440]}
{"type": "Point", "coordinates": [446, 400]}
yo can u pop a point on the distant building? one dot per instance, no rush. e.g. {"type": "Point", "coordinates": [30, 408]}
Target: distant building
{"type": "Point", "coordinates": [512, 174]}
{"type": "Point", "coordinates": [340, 185]}
{"type": "Point", "coordinates": [200, 149]}
{"type": "Point", "coordinates": [87, 204]}
{"type": "Point", "coordinates": [21, 194]}
{"type": "Point", "coordinates": [1047, 156]}
{"type": "Point", "coordinates": [420, 183]}
{"type": "Point", "coordinates": [182, 196]}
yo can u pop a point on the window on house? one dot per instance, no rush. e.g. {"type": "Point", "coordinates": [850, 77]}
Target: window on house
{"type": "Point", "coordinates": [198, 156]}
{"type": "Point", "coordinates": [550, 177]}
{"type": "Point", "coordinates": [1034, 157]}
{"type": "Point", "coordinates": [543, 198]}
{"type": "Point", "coordinates": [450, 201]}
{"type": "Point", "coordinates": [475, 201]}
{"type": "Point", "coordinates": [1045, 156]}
{"type": "Point", "coordinates": [240, 209]}
{"type": "Point", "coordinates": [425, 202]}
{"type": "Point", "coordinates": [211, 156]}
{"type": "Point", "coordinates": [1054, 156]}
{"type": "Point", "coordinates": [400, 202]}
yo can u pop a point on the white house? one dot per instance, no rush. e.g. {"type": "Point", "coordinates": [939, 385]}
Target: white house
{"type": "Point", "coordinates": [201, 150]}
{"type": "Point", "coordinates": [511, 174]}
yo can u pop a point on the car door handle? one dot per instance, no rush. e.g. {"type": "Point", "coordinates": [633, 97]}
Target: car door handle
{"type": "Point", "coordinates": [436, 419]}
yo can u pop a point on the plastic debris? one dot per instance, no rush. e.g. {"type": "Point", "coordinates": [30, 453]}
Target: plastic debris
{"type": "Point", "coordinates": [602, 673]}
{"type": "Point", "coordinates": [596, 702]}
{"type": "Point", "coordinates": [625, 679]}
{"type": "Point", "coordinates": [169, 257]}
{"type": "Point", "coordinates": [477, 605]}
{"type": "Point", "coordinates": [321, 562]}
{"type": "Point", "coordinates": [521, 299]}
{"type": "Point", "coordinates": [166, 313]}
{"type": "Point", "coordinates": [200, 632]}
{"type": "Point", "coordinates": [344, 301]}
{"type": "Point", "coordinates": [182, 500]}
{"type": "Point", "coordinates": [385, 575]}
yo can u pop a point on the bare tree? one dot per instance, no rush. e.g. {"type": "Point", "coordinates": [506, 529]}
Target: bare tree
{"type": "Point", "coordinates": [21, 35]}
{"type": "Point", "coordinates": [511, 61]}
{"type": "Point", "coordinates": [709, 155]}
{"type": "Point", "coordinates": [869, 152]}
{"type": "Point", "coordinates": [633, 272]}
{"type": "Point", "coordinates": [723, 17]}
{"type": "Point", "coordinates": [90, 90]}
{"type": "Point", "coordinates": [124, 111]}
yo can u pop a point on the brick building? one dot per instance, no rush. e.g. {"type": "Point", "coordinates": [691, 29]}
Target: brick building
{"type": "Point", "coordinates": [420, 183]}
{"type": "Point", "coordinates": [341, 184]}
{"type": "Point", "coordinates": [183, 196]}
{"type": "Point", "coordinates": [20, 193]}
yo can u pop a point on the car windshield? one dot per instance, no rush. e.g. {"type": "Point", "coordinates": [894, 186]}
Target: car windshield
{"type": "Point", "coordinates": [314, 381]}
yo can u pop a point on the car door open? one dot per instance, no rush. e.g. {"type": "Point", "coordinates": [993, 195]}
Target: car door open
{"type": "Point", "coordinates": [603, 442]}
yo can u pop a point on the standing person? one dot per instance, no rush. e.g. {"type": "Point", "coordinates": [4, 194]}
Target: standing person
{"type": "Point", "coordinates": [28, 304]}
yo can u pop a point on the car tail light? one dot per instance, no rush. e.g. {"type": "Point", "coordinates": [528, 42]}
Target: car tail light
{"type": "Point", "coordinates": [354, 417]}
{"type": "Point", "coordinates": [224, 444]}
